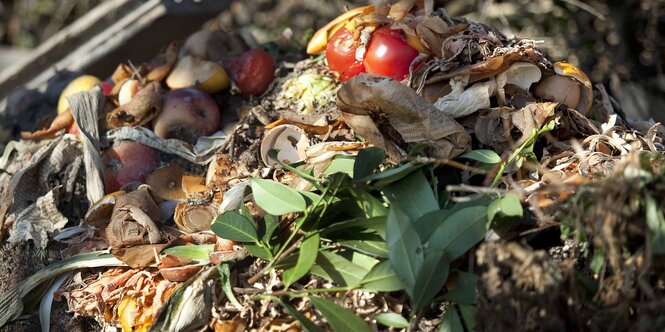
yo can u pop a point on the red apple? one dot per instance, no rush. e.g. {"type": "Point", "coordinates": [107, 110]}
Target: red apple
{"type": "Point", "coordinates": [107, 87]}
{"type": "Point", "coordinates": [187, 114]}
{"type": "Point", "coordinates": [252, 71]}
{"type": "Point", "coordinates": [126, 162]}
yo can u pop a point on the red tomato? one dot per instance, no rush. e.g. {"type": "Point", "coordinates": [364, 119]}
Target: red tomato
{"type": "Point", "coordinates": [388, 54]}
{"type": "Point", "coordinates": [341, 55]}
{"type": "Point", "coordinates": [252, 71]}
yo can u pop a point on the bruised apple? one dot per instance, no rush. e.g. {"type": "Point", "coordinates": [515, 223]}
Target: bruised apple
{"type": "Point", "coordinates": [252, 71]}
{"type": "Point", "coordinates": [126, 162]}
{"type": "Point", "coordinates": [187, 114]}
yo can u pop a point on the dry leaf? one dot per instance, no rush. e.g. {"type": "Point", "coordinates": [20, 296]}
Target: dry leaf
{"type": "Point", "coordinates": [412, 116]}
{"type": "Point", "coordinates": [143, 107]}
{"type": "Point", "coordinates": [62, 121]}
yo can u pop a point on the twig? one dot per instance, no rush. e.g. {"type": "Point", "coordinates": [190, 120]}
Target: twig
{"type": "Point", "coordinates": [474, 189]}
{"type": "Point", "coordinates": [448, 162]}
{"type": "Point", "coordinates": [581, 5]}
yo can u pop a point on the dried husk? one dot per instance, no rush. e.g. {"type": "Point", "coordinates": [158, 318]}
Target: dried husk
{"type": "Point", "coordinates": [134, 220]}
{"type": "Point", "coordinates": [143, 107]}
{"type": "Point", "coordinates": [192, 218]}
{"type": "Point", "coordinates": [290, 140]}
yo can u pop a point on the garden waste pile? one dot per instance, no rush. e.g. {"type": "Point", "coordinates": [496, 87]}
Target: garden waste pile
{"type": "Point", "coordinates": [417, 171]}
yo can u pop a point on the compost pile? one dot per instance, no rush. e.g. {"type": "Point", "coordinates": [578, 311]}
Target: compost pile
{"type": "Point", "coordinates": [427, 173]}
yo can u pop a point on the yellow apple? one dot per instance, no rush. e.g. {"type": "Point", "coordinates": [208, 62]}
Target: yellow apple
{"type": "Point", "coordinates": [81, 83]}
{"type": "Point", "coordinates": [204, 75]}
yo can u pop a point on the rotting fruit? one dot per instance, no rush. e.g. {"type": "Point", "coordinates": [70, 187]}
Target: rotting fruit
{"type": "Point", "coordinates": [79, 84]}
{"type": "Point", "coordinates": [187, 114]}
{"type": "Point", "coordinates": [252, 71]}
{"type": "Point", "coordinates": [375, 48]}
{"type": "Point", "coordinates": [341, 55]}
{"type": "Point", "coordinates": [126, 162]}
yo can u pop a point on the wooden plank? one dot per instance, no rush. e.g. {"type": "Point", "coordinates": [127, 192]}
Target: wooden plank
{"type": "Point", "coordinates": [114, 31]}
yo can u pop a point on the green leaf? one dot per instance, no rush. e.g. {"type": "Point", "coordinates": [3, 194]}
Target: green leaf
{"type": "Point", "coordinates": [339, 318]}
{"type": "Point", "coordinates": [376, 224]}
{"type": "Point", "coordinates": [366, 261]}
{"type": "Point", "coordinates": [413, 195]}
{"type": "Point", "coordinates": [469, 316]}
{"type": "Point", "coordinates": [309, 249]}
{"type": "Point", "coordinates": [430, 221]}
{"type": "Point", "coordinates": [508, 206]}
{"type": "Point", "coordinates": [483, 156]}
{"type": "Point", "coordinates": [367, 161]}
{"type": "Point", "coordinates": [233, 226]}
{"type": "Point", "coordinates": [460, 231]}
{"type": "Point", "coordinates": [199, 252]}
{"type": "Point", "coordinates": [464, 289]}
{"type": "Point", "coordinates": [306, 323]}
{"type": "Point", "coordinates": [430, 279]}
{"type": "Point", "coordinates": [404, 246]}
{"type": "Point", "coordinates": [393, 320]}
{"type": "Point", "coordinates": [598, 260]}
{"type": "Point", "coordinates": [259, 251]}
{"type": "Point", "coordinates": [276, 198]}
{"type": "Point", "coordinates": [340, 165]}
{"type": "Point", "coordinates": [656, 224]}
{"type": "Point", "coordinates": [376, 248]}
{"type": "Point", "coordinates": [225, 278]}
{"type": "Point", "coordinates": [338, 269]}
{"type": "Point", "coordinates": [451, 321]}
{"type": "Point", "coordinates": [310, 197]}
{"type": "Point", "coordinates": [267, 226]}
{"type": "Point", "coordinates": [305, 174]}
{"type": "Point", "coordinates": [360, 239]}
{"type": "Point", "coordinates": [390, 175]}
{"type": "Point", "coordinates": [370, 205]}
{"type": "Point", "coordinates": [382, 278]}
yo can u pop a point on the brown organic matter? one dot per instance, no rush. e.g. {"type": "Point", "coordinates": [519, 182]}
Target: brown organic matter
{"type": "Point", "coordinates": [142, 108]}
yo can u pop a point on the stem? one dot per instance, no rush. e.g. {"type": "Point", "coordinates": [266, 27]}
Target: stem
{"type": "Point", "coordinates": [305, 292]}
{"type": "Point", "coordinates": [513, 156]}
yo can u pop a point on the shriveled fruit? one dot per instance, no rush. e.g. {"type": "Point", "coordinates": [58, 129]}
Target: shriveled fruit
{"type": "Point", "coordinates": [187, 114]}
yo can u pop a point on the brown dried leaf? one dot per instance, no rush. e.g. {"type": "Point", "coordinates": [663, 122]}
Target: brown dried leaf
{"type": "Point", "coordinates": [192, 218]}
{"type": "Point", "coordinates": [181, 273]}
{"type": "Point", "coordinates": [494, 127]}
{"type": "Point", "coordinates": [122, 73]}
{"type": "Point", "coordinates": [64, 120]}
{"type": "Point", "coordinates": [143, 107]}
{"type": "Point", "coordinates": [99, 214]}
{"type": "Point", "coordinates": [133, 220]}
{"type": "Point", "coordinates": [412, 116]}
{"type": "Point", "coordinates": [168, 260]}
{"type": "Point", "coordinates": [159, 67]}
{"type": "Point", "coordinates": [138, 256]}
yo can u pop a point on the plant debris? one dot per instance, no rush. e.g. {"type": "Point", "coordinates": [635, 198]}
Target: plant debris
{"type": "Point", "coordinates": [489, 189]}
